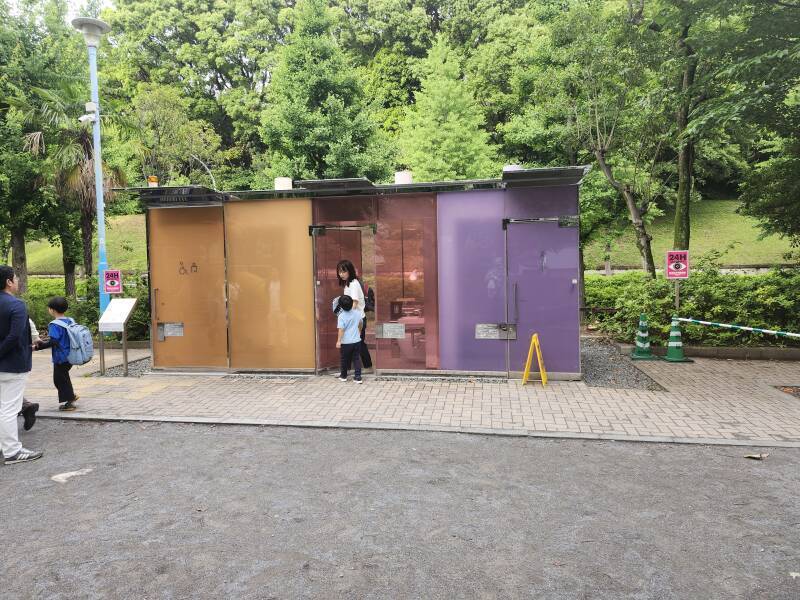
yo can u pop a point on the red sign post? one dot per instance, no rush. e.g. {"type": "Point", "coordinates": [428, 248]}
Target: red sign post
{"type": "Point", "coordinates": [112, 281]}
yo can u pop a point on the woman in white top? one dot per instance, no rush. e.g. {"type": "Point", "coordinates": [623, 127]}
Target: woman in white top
{"type": "Point", "coordinates": [346, 272]}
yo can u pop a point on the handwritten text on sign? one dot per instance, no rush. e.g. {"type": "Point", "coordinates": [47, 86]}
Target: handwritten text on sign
{"type": "Point", "coordinates": [677, 264]}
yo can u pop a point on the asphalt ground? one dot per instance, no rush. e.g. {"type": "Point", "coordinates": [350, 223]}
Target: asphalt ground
{"type": "Point", "coordinates": [199, 511]}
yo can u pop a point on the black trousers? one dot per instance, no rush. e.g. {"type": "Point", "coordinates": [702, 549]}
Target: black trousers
{"type": "Point", "coordinates": [366, 359]}
{"type": "Point", "coordinates": [350, 354]}
{"type": "Point", "coordinates": [63, 383]}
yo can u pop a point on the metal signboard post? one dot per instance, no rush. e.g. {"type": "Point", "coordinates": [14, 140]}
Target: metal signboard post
{"type": "Point", "coordinates": [677, 269]}
{"type": "Point", "coordinates": [115, 319]}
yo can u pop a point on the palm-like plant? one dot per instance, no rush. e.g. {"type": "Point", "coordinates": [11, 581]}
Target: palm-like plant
{"type": "Point", "coordinates": [67, 145]}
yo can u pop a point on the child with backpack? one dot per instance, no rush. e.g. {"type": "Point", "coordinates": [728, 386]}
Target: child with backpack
{"type": "Point", "coordinates": [59, 341]}
{"type": "Point", "coordinates": [349, 341]}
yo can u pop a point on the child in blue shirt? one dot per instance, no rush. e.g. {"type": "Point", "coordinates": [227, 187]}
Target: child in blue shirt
{"type": "Point", "coordinates": [59, 342]}
{"type": "Point", "coordinates": [349, 340]}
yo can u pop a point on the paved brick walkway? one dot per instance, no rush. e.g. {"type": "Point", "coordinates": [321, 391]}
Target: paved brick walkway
{"type": "Point", "coordinates": [709, 401]}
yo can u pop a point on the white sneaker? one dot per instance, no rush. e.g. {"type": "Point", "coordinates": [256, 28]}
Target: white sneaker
{"type": "Point", "coordinates": [24, 455]}
{"type": "Point", "coordinates": [342, 378]}
{"type": "Point", "coordinates": [359, 381]}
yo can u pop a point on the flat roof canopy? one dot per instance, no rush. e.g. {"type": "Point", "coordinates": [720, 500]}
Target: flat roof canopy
{"type": "Point", "coordinates": [193, 195]}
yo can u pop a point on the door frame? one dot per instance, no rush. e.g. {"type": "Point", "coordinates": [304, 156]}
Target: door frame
{"type": "Point", "coordinates": [315, 231]}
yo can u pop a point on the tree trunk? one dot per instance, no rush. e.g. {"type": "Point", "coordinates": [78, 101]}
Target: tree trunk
{"type": "Point", "coordinates": [635, 214]}
{"type": "Point", "coordinates": [680, 240]}
{"type": "Point", "coordinates": [685, 149]}
{"type": "Point", "coordinates": [70, 290]}
{"type": "Point", "coordinates": [70, 253]}
{"type": "Point", "coordinates": [87, 228]}
{"type": "Point", "coordinates": [19, 258]}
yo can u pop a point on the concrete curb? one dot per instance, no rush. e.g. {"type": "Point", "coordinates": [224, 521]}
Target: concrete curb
{"type": "Point", "coordinates": [420, 427]}
{"type": "Point", "coordinates": [722, 352]}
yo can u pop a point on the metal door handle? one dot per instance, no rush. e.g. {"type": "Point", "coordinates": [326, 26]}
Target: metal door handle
{"type": "Point", "coordinates": [543, 260]}
{"type": "Point", "coordinates": [516, 303]}
{"type": "Point", "coordinates": [155, 301]}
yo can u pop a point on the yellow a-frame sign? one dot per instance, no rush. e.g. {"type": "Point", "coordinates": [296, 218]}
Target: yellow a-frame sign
{"type": "Point", "coordinates": [542, 372]}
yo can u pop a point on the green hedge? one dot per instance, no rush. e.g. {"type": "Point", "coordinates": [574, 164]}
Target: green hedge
{"type": "Point", "coordinates": [85, 309]}
{"type": "Point", "coordinates": [769, 301]}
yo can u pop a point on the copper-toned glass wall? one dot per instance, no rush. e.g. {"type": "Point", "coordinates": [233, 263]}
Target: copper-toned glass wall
{"type": "Point", "coordinates": [187, 280]}
{"type": "Point", "coordinates": [270, 284]}
{"type": "Point", "coordinates": [406, 289]}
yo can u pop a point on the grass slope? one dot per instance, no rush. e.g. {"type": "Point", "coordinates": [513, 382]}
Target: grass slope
{"type": "Point", "coordinates": [125, 245]}
{"type": "Point", "coordinates": [715, 224]}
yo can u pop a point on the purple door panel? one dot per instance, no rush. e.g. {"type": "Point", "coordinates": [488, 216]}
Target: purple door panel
{"type": "Point", "coordinates": [543, 294]}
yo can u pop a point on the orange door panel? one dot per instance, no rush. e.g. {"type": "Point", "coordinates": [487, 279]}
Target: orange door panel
{"type": "Point", "coordinates": [270, 283]}
{"type": "Point", "coordinates": [187, 279]}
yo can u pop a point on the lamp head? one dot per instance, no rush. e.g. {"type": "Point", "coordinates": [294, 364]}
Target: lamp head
{"type": "Point", "coordinates": [92, 29]}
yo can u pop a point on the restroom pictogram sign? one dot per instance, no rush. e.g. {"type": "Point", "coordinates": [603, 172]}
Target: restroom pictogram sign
{"type": "Point", "coordinates": [677, 264]}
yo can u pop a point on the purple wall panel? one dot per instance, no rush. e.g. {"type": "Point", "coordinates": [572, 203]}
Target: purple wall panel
{"type": "Point", "coordinates": [471, 278]}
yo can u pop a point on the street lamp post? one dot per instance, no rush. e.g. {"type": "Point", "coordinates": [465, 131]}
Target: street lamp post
{"type": "Point", "coordinates": [92, 30]}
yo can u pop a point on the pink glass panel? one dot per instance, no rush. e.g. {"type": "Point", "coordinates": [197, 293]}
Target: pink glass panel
{"type": "Point", "coordinates": [406, 281]}
{"type": "Point", "coordinates": [344, 210]}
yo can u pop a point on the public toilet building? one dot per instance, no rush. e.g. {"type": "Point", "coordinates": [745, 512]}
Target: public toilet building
{"type": "Point", "coordinates": [463, 274]}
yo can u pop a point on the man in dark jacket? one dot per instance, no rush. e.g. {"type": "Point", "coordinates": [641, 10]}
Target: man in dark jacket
{"type": "Point", "coordinates": [15, 365]}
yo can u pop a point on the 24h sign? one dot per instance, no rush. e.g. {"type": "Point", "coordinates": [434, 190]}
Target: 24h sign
{"type": "Point", "coordinates": [677, 264]}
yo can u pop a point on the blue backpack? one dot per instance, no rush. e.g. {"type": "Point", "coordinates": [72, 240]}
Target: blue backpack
{"type": "Point", "coordinates": [81, 346]}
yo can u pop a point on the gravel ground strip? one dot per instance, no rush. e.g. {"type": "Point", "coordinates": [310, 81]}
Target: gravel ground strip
{"type": "Point", "coordinates": [162, 511]}
{"type": "Point", "coordinates": [604, 366]}
{"type": "Point", "coordinates": [136, 368]}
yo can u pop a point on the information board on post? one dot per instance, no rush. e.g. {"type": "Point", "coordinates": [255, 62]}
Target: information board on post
{"type": "Point", "coordinates": [116, 315]}
{"type": "Point", "coordinates": [115, 319]}
{"type": "Point", "coordinates": [112, 281]}
{"type": "Point", "coordinates": [677, 264]}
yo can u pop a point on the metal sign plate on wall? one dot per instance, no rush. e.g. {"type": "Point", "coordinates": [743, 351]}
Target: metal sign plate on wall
{"type": "Point", "coordinates": [495, 331]}
{"type": "Point", "coordinates": [390, 331]}
{"type": "Point", "coordinates": [173, 329]}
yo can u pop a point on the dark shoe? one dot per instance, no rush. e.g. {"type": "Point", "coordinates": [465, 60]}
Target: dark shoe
{"type": "Point", "coordinates": [68, 406]}
{"type": "Point", "coordinates": [29, 414]}
{"type": "Point", "coordinates": [24, 455]}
